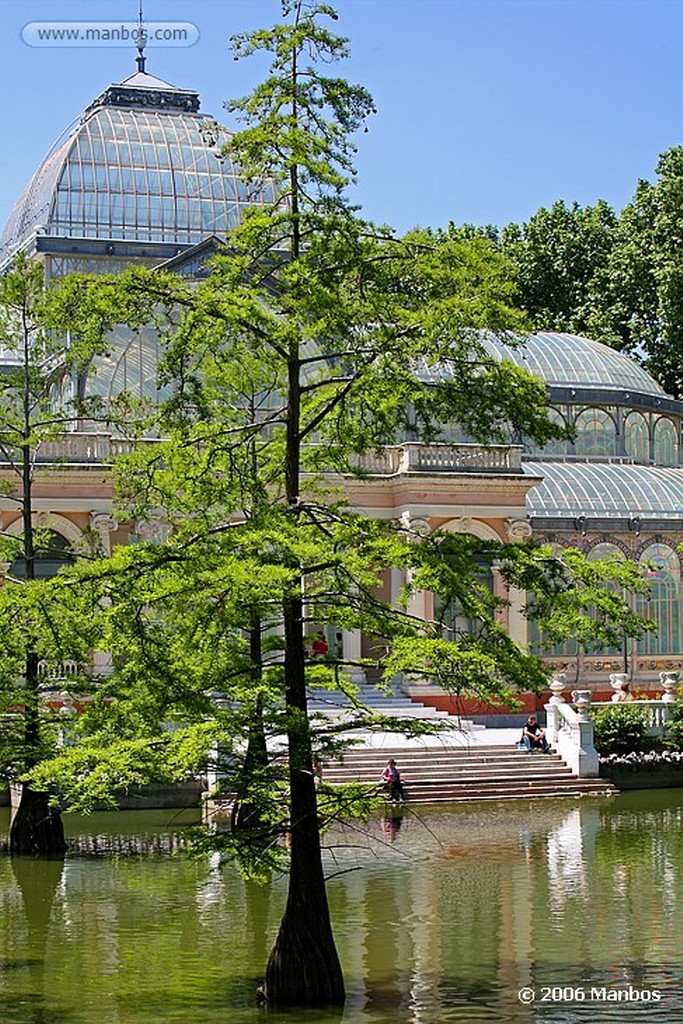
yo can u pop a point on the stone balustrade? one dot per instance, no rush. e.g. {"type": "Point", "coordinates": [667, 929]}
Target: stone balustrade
{"type": "Point", "coordinates": [658, 712]}
{"type": "Point", "coordinates": [415, 457]}
{"type": "Point", "coordinates": [570, 729]}
{"type": "Point", "coordinates": [66, 669]}
{"type": "Point", "coordinates": [80, 448]}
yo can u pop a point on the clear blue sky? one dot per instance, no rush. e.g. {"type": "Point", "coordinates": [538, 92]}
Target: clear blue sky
{"type": "Point", "coordinates": [487, 109]}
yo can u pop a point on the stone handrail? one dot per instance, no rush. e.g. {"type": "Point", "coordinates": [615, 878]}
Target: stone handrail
{"type": "Point", "coordinates": [78, 448]}
{"type": "Point", "coordinates": [415, 457]}
{"type": "Point", "coordinates": [658, 715]}
{"type": "Point", "coordinates": [56, 673]}
{"type": "Point", "coordinates": [93, 447]}
{"type": "Point", "coordinates": [570, 729]}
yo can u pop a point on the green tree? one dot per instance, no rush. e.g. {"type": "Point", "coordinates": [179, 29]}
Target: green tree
{"type": "Point", "coordinates": [37, 407]}
{"type": "Point", "coordinates": [317, 339]}
{"type": "Point", "coordinates": [645, 274]}
{"type": "Point", "coordinates": [561, 258]}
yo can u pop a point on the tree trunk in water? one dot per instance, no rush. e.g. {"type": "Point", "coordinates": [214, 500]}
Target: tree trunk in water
{"type": "Point", "coordinates": [245, 813]}
{"type": "Point", "coordinates": [36, 827]}
{"type": "Point", "coordinates": [303, 968]}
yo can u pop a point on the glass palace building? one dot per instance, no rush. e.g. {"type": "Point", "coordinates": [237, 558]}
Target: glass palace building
{"type": "Point", "coordinates": [140, 178]}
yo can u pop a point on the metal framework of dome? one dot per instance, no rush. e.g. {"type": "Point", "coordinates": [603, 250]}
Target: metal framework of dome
{"type": "Point", "coordinates": [569, 360]}
{"type": "Point", "coordinates": [604, 491]}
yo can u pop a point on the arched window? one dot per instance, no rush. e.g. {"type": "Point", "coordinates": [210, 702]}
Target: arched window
{"type": "Point", "coordinates": [663, 606]}
{"type": "Point", "coordinates": [606, 551]}
{"type": "Point", "coordinates": [666, 443]}
{"type": "Point", "coordinates": [49, 558]}
{"type": "Point", "coordinates": [558, 447]}
{"type": "Point", "coordinates": [454, 623]}
{"type": "Point", "coordinates": [637, 437]}
{"type": "Point", "coordinates": [602, 551]}
{"type": "Point", "coordinates": [595, 433]}
{"type": "Point", "coordinates": [538, 644]}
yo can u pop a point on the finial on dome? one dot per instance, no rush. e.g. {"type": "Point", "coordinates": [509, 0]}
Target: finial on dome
{"type": "Point", "coordinates": [142, 39]}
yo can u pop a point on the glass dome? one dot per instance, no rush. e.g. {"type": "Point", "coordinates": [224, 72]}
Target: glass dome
{"type": "Point", "coordinates": [139, 166]}
{"type": "Point", "coordinates": [570, 360]}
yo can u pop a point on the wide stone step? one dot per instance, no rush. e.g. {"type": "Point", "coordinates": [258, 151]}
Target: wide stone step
{"type": "Point", "coordinates": [398, 710]}
{"type": "Point", "coordinates": [565, 784]}
{"type": "Point", "coordinates": [335, 702]}
{"type": "Point", "coordinates": [467, 775]}
{"type": "Point", "coordinates": [472, 779]}
{"type": "Point", "coordinates": [578, 788]}
{"type": "Point", "coordinates": [454, 755]}
{"type": "Point", "coordinates": [512, 760]}
{"type": "Point", "coordinates": [442, 774]}
{"type": "Point", "coordinates": [434, 752]}
{"type": "Point", "coordinates": [521, 761]}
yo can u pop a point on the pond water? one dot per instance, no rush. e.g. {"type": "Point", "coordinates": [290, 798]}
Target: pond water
{"type": "Point", "coordinates": [440, 916]}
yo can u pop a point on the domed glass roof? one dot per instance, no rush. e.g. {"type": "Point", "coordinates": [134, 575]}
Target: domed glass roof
{"type": "Point", "coordinates": [604, 490]}
{"type": "Point", "coordinates": [138, 166]}
{"type": "Point", "coordinates": [567, 359]}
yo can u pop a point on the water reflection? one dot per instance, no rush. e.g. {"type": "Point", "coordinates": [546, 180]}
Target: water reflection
{"type": "Point", "coordinates": [28, 904]}
{"type": "Point", "coordinates": [440, 917]}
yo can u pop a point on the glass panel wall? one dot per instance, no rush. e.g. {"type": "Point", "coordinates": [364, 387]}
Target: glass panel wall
{"type": "Point", "coordinates": [637, 437]}
{"type": "Point", "coordinates": [666, 443]}
{"type": "Point", "coordinates": [595, 433]}
{"type": "Point", "coordinates": [663, 606]}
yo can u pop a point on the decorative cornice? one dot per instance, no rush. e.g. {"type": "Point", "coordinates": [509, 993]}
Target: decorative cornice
{"type": "Point", "coordinates": [158, 99]}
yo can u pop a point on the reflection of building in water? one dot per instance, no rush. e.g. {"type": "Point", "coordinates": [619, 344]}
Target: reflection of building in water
{"type": "Point", "coordinates": [445, 924]}
{"type": "Point", "coordinates": [566, 862]}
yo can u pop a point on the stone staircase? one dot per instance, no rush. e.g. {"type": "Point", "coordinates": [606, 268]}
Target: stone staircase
{"type": "Point", "coordinates": [452, 774]}
{"type": "Point", "coordinates": [394, 702]}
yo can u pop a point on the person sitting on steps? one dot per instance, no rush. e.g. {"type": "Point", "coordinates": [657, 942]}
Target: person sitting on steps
{"type": "Point", "coordinates": [533, 737]}
{"type": "Point", "coordinates": [391, 777]}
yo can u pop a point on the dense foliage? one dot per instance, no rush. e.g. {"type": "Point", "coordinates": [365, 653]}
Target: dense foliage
{"type": "Point", "coordinates": [674, 727]}
{"type": "Point", "coordinates": [620, 729]}
{"type": "Point", "coordinates": [614, 277]}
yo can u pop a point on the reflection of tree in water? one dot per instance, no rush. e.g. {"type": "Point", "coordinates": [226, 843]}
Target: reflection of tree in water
{"type": "Point", "coordinates": [38, 880]}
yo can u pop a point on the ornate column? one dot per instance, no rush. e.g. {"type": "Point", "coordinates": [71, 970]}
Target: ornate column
{"type": "Point", "coordinates": [352, 651]}
{"type": "Point", "coordinates": [519, 531]}
{"type": "Point", "coordinates": [669, 681]}
{"type": "Point", "coordinates": [154, 530]}
{"type": "Point", "coordinates": [587, 761]}
{"type": "Point", "coordinates": [556, 685]}
{"type": "Point", "coordinates": [417, 600]}
{"type": "Point", "coordinates": [103, 524]}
